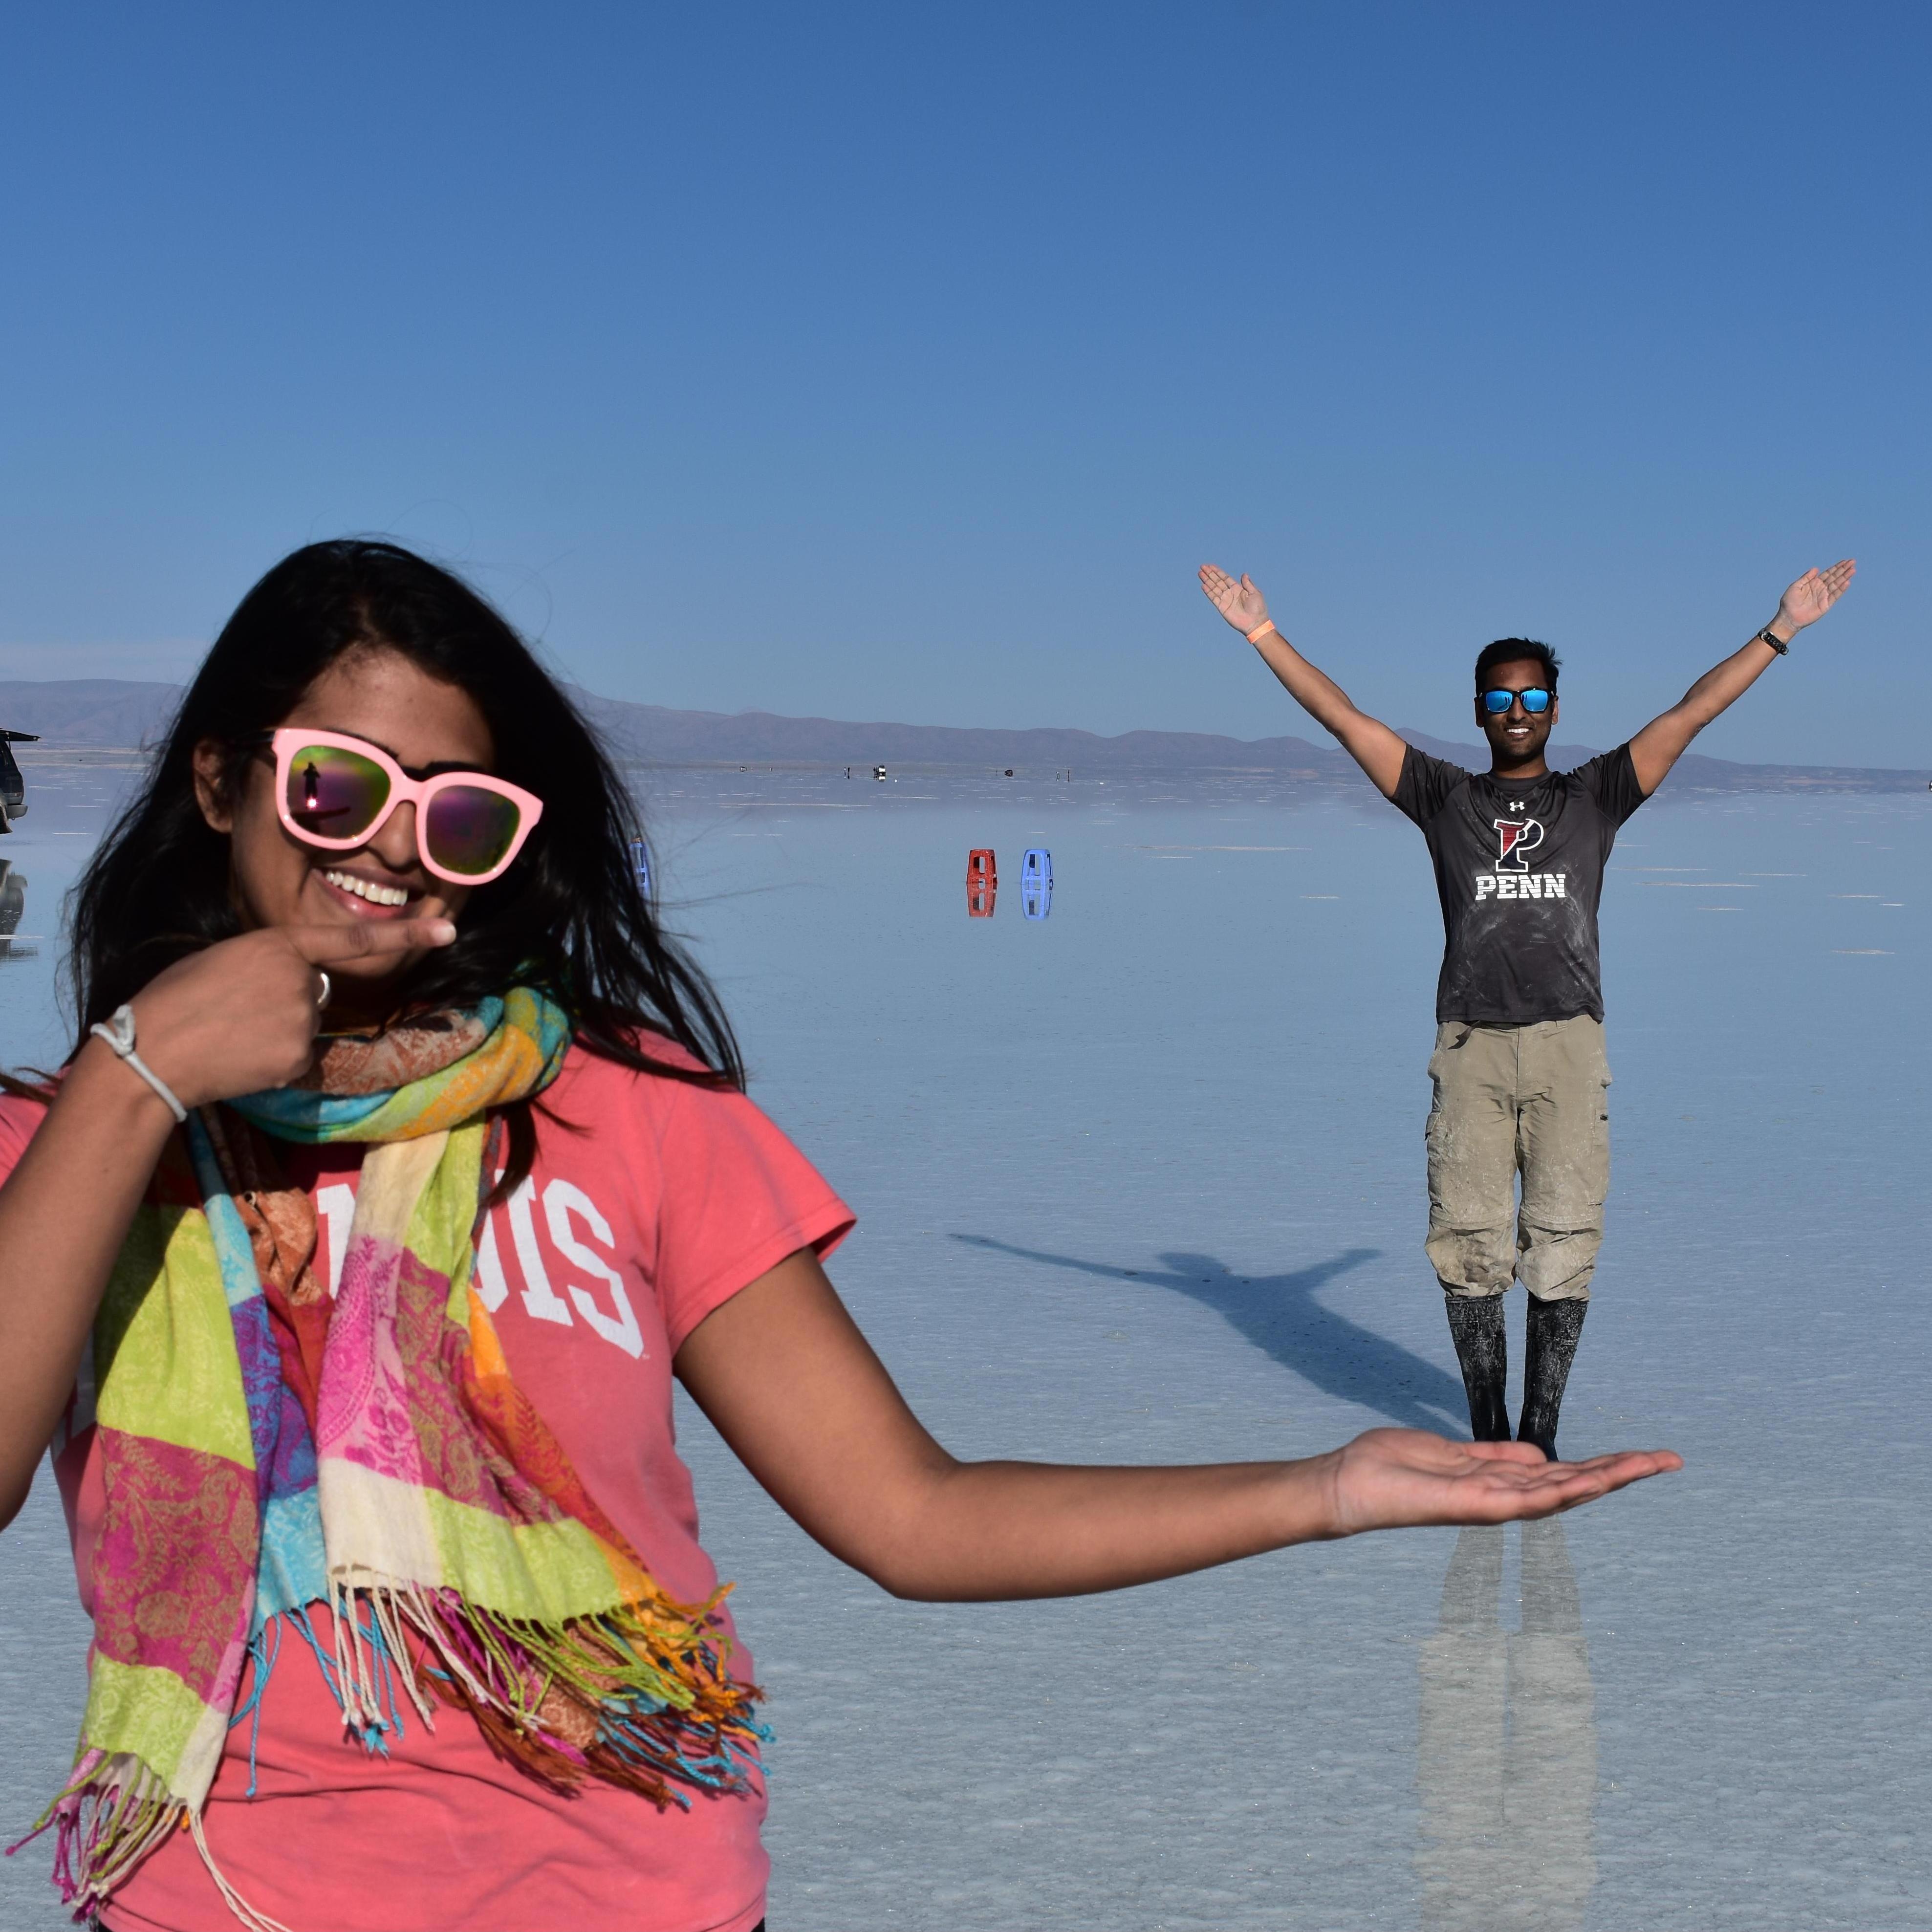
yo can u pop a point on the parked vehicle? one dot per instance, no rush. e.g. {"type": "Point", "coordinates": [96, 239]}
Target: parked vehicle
{"type": "Point", "coordinates": [12, 786]}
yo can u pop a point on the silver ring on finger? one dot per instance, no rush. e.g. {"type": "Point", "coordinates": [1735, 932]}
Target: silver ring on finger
{"type": "Point", "coordinates": [327, 987]}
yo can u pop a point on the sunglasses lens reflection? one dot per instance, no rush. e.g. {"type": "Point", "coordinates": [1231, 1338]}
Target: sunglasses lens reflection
{"type": "Point", "coordinates": [1535, 700]}
{"type": "Point", "coordinates": [469, 830]}
{"type": "Point", "coordinates": [334, 792]}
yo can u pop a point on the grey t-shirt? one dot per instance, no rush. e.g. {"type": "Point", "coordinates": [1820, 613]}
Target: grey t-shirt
{"type": "Point", "coordinates": [1520, 870]}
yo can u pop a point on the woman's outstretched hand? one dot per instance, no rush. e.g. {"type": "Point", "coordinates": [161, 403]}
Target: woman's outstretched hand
{"type": "Point", "coordinates": [1403, 1478]}
{"type": "Point", "coordinates": [1815, 592]}
{"type": "Point", "coordinates": [1241, 604]}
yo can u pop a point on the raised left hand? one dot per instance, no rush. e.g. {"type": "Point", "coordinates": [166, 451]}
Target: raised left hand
{"type": "Point", "coordinates": [1814, 593]}
{"type": "Point", "coordinates": [1237, 600]}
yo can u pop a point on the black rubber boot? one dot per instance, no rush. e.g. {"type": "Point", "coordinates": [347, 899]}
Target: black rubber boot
{"type": "Point", "coordinates": [1476, 1324]}
{"type": "Point", "coordinates": [1554, 1326]}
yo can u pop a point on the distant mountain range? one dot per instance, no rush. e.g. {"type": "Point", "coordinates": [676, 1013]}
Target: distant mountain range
{"type": "Point", "coordinates": [86, 710]}
{"type": "Point", "coordinates": [115, 711]}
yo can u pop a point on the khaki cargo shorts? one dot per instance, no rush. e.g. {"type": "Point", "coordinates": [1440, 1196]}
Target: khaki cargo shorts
{"type": "Point", "coordinates": [1510, 1100]}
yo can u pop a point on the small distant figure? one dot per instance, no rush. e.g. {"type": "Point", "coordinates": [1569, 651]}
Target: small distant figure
{"type": "Point", "coordinates": [640, 863]}
{"type": "Point", "coordinates": [1009, 771]}
{"type": "Point", "coordinates": [879, 772]}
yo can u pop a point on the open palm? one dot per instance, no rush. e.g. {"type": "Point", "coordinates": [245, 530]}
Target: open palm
{"type": "Point", "coordinates": [1399, 1478]}
{"type": "Point", "coordinates": [1240, 602]}
{"type": "Point", "coordinates": [1815, 592]}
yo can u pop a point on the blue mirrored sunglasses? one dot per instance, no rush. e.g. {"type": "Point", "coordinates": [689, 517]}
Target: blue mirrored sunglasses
{"type": "Point", "coordinates": [1535, 699]}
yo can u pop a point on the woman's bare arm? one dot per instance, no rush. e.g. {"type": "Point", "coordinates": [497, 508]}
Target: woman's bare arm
{"type": "Point", "coordinates": [783, 1371]}
{"type": "Point", "coordinates": [233, 1019]}
{"type": "Point", "coordinates": [1367, 740]}
{"type": "Point", "coordinates": [64, 1213]}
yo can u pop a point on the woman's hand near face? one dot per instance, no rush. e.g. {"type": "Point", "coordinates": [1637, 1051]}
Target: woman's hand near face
{"type": "Point", "coordinates": [243, 1016]}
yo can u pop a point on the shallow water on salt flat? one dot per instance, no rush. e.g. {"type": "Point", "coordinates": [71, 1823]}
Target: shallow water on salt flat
{"type": "Point", "coordinates": [1142, 1181]}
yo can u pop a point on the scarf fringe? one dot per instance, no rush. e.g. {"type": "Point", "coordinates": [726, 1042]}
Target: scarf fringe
{"type": "Point", "coordinates": [113, 1812]}
{"type": "Point", "coordinates": [639, 1697]}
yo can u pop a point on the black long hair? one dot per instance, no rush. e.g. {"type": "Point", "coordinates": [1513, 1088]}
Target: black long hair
{"type": "Point", "coordinates": [569, 916]}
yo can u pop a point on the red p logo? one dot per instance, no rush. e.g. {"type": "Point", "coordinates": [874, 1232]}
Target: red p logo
{"type": "Point", "coordinates": [1519, 837]}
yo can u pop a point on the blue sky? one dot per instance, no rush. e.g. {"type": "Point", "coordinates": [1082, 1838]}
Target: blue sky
{"type": "Point", "coordinates": [903, 362]}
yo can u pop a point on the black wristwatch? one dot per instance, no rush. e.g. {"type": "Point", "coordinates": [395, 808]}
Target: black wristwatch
{"type": "Point", "coordinates": [1777, 644]}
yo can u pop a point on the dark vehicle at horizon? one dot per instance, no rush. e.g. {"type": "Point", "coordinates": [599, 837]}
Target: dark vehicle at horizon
{"type": "Point", "coordinates": [12, 786]}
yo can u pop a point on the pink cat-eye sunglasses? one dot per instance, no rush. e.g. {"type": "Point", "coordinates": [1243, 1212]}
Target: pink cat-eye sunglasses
{"type": "Point", "coordinates": [336, 792]}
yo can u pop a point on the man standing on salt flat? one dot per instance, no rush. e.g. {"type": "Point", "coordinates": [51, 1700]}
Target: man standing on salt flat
{"type": "Point", "coordinates": [1521, 1082]}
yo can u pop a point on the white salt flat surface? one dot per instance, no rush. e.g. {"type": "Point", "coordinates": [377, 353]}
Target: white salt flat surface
{"type": "Point", "coordinates": [1143, 1182]}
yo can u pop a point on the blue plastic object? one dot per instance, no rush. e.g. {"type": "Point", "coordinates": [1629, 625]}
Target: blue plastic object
{"type": "Point", "coordinates": [641, 860]}
{"type": "Point", "coordinates": [1036, 882]}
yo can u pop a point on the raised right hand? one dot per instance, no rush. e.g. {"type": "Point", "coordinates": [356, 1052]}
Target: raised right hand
{"type": "Point", "coordinates": [1814, 593]}
{"type": "Point", "coordinates": [242, 1015]}
{"type": "Point", "coordinates": [1241, 604]}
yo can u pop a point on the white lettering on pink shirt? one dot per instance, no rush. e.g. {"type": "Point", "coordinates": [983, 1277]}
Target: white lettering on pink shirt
{"type": "Point", "coordinates": [561, 1199]}
{"type": "Point", "coordinates": [539, 1298]}
{"type": "Point", "coordinates": [335, 1208]}
{"type": "Point", "coordinates": [487, 1278]}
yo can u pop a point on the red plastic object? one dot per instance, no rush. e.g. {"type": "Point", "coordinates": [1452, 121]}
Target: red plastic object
{"type": "Point", "coordinates": [982, 882]}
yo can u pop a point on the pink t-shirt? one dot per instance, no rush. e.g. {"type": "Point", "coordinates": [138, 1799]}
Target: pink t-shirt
{"type": "Point", "coordinates": [664, 1202]}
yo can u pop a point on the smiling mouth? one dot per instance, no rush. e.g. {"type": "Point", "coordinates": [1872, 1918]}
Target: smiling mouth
{"type": "Point", "coordinates": [369, 892]}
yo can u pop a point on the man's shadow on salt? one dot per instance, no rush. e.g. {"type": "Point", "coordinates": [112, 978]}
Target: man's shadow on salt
{"type": "Point", "coordinates": [1280, 1314]}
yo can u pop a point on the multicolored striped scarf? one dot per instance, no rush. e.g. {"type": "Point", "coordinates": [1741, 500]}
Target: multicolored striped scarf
{"type": "Point", "coordinates": [263, 1452]}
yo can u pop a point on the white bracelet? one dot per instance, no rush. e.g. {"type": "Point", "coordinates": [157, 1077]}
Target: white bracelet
{"type": "Point", "coordinates": [119, 1034]}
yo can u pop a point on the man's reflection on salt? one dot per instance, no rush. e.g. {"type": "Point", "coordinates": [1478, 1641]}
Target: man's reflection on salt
{"type": "Point", "coordinates": [13, 904]}
{"type": "Point", "coordinates": [1506, 1759]}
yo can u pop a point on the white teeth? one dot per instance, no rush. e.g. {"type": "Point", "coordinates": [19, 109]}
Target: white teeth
{"type": "Point", "coordinates": [367, 889]}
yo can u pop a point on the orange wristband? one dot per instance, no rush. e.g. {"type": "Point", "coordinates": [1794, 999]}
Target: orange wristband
{"type": "Point", "coordinates": [1261, 630]}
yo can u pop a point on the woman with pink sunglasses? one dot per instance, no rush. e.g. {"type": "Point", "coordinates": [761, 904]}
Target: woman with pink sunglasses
{"type": "Point", "coordinates": [400, 1163]}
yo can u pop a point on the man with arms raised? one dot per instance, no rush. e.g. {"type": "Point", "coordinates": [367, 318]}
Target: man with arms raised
{"type": "Point", "coordinates": [1520, 1076]}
